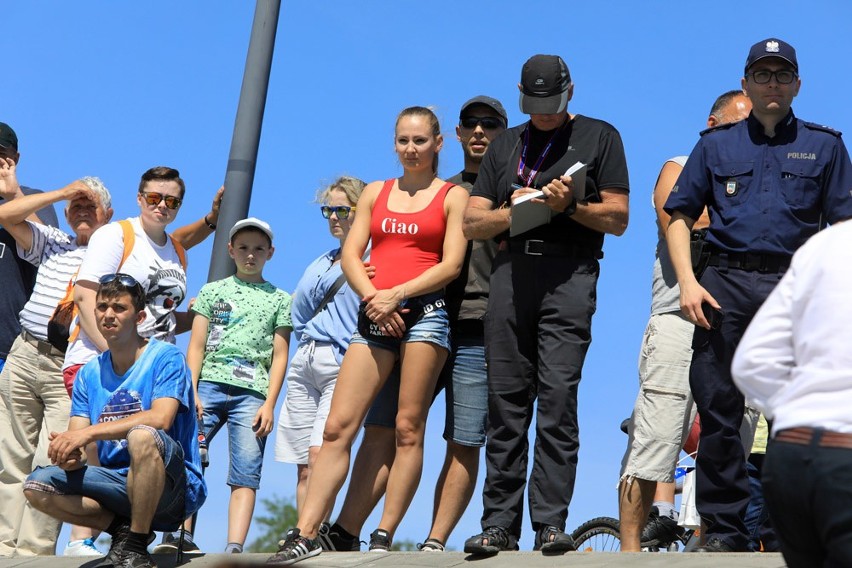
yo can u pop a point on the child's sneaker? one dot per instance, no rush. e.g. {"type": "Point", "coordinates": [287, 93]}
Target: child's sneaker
{"type": "Point", "coordinates": [84, 547]}
{"type": "Point", "coordinates": [380, 541]}
{"type": "Point", "coordinates": [169, 544]}
{"type": "Point", "coordinates": [332, 541]}
{"type": "Point", "coordinates": [294, 548]}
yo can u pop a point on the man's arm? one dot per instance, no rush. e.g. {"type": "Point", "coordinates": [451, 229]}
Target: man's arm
{"type": "Point", "coordinates": [21, 208]}
{"type": "Point", "coordinates": [265, 417]}
{"type": "Point", "coordinates": [76, 457]}
{"type": "Point", "coordinates": [160, 416]}
{"type": "Point", "coordinates": [482, 221]}
{"type": "Point", "coordinates": [194, 233]}
{"type": "Point", "coordinates": [184, 321]}
{"type": "Point", "coordinates": [85, 296]}
{"type": "Point", "coordinates": [692, 294]}
{"type": "Point", "coordinates": [665, 182]}
{"type": "Point", "coordinates": [10, 189]}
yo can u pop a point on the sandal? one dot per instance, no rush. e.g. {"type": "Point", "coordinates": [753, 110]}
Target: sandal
{"type": "Point", "coordinates": [490, 541]}
{"type": "Point", "coordinates": [550, 539]}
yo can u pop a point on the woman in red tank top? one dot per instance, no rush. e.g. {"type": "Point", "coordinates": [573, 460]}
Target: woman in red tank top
{"type": "Point", "coordinates": [415, 222]}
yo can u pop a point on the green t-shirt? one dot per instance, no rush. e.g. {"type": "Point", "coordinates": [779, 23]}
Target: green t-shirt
{"type": "Point", "coordinates": [243, 319]}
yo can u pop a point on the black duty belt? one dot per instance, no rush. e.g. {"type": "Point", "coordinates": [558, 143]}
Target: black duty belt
{"type": "Point", "coordinates": [751, 261]}
{"type": "Point", "coordinates": [536, 247]}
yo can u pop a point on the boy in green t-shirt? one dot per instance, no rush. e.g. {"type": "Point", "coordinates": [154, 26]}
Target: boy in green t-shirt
{"type": "Point", "coordinates": [238, 356]}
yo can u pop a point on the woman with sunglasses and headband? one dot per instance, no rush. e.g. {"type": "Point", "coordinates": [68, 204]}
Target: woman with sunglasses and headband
{"type": "Point", "coordinates": [141, 248]}
{"type": "Point", "coordinates": [324, 312]}
{"type": "Point", "coordinates": [415, 225]}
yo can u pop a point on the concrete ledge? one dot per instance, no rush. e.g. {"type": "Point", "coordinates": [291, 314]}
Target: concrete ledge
{"type": "Point", "coordinates": [442, 560]}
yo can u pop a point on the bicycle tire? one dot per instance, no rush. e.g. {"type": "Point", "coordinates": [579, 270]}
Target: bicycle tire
{"type": "Point", "coordinates": [600, 534]}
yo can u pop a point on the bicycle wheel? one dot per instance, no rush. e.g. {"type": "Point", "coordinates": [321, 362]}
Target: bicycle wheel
{"type": "Point", "coordinates": [597, 535]}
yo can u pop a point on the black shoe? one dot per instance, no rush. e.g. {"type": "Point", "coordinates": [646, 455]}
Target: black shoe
{"type": "Point", "coordinates": [715, 544]}
{"type": "Point", "coordinates": [332, 541]}
{"type": "Point", "coordinates": [130, 559]}
{"type": "Point", "coordinates": [659, 530]}
{"type": "Point", "coordinates": [169, 544]}
{"type": "Point", "coordinates": [380, 541]}
{"type": "Point", "coordinates": [294, 548]}
{"type": "Point", "coordinates": [550, 539]}
{"type": "Point", "coordinates": [498, 539]}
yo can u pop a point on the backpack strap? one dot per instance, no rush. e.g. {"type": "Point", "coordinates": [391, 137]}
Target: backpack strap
{"type": "Point", "coordinates": [130, 239]}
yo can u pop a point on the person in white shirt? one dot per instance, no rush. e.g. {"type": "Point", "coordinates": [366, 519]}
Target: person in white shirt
{"type": "Point", "coordinates": [794, 363]}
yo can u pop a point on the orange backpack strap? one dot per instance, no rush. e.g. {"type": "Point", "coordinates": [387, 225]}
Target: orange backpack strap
{"type": "Point", "coordinates": [181, 252]}
{"type": "Point", "coordinates": [129, 239]}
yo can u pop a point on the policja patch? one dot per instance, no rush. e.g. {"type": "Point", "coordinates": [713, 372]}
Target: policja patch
{"type": "Point", "coordinates": [731, 187]}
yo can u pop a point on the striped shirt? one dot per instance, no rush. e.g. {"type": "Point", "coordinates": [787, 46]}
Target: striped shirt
{"type": "Point", "coordinates": [57, 257]}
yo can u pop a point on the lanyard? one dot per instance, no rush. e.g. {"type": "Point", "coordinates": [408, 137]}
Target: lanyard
{"type": "Point", "coordinates": [522, 161]}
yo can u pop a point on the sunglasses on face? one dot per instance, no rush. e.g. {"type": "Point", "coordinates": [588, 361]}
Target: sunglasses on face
{"type": "Point", "coordinates": [487, 122]}
{"type": "Point", "coordinates": [154, 198]}
{"type": "Point", "coordinates": [125, 280]}
{"type": "Point", "coordinates": [342, 211]}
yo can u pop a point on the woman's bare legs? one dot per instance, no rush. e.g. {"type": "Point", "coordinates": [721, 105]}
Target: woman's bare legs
{"type": "Point", "coordinates": [421, 363]}
{"type": "Point", "coordinates": [362, 374]}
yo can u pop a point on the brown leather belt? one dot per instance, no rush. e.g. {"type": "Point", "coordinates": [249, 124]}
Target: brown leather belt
{"type": "Point", "coordinates": [806, 436]}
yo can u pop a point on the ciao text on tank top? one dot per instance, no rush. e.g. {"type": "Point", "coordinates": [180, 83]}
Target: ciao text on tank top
{"type": "Point", "coordinates": [404, 245]}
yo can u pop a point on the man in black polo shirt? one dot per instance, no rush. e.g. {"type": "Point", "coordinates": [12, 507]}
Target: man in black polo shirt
{"type": "Point", "coordinates": [538, 326]}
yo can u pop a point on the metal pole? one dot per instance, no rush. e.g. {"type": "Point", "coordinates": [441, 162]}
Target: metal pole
{"type": "Point", "coordinates": [242, 160]}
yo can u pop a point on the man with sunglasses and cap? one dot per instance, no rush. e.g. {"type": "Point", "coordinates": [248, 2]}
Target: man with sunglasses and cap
{"type": "Point", "coordinates": [541, 301]}
{"type": "Point", "coordinates": [135, 403]}
{"type": "Point", "coordinates": [769, 182]}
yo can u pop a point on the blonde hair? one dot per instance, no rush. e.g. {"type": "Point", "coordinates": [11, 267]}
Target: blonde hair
{"type": "Point", "coordinates": [351, 186]}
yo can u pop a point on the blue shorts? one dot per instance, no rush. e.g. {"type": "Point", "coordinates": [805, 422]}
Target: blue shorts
{"type": "Point", "coordinates": [465, 378]}
{"type": "Point", "coordinates": [236, 407]}
{"type": "Point", "coordinates": [109, 487]}
{"type": "Point", "coordinates": [432, 327]}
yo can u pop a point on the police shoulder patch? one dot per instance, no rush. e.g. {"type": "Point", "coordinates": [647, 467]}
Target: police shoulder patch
{"type": "Point", "coordinates": [717, 127]}
{"type": "Point", "coordinates": [821, 128]}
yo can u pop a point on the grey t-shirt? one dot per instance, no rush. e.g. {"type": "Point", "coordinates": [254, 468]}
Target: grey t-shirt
{"type": "Point", "coordinates": [665, 293]}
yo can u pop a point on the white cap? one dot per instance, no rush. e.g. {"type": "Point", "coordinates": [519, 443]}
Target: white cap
{"type": "Point", "coordinates": [251, 222]}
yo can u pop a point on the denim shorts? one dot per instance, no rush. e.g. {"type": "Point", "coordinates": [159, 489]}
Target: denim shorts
{"type": "Point", "coordinates": [433, 327]}
{"type": "Point", "coordinates": [236, 407]}
{"type": "Point", "coordinates": [109, 487]}
{"type": "Point", "coordinates": [466, 381]}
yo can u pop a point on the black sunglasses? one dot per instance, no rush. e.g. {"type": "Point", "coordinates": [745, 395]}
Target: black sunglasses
{"type": "Point", "coordinates": [487, 122]}
{"type": "Point", "coordinates": [154, 198]}
{"type": "Point", "coordinates": [125, 280]}
{"type": "Point", "coordinates": [342, 211]}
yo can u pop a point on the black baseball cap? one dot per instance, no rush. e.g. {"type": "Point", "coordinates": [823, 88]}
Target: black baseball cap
{"type": "Point", "coordinates": [772, 47]}
{"type": "Point", "coordinates": [484, 100]}
{"type": "Point", "coordinates": [544, 85]}
{"type": "Point", "coordinates": [8, 138]}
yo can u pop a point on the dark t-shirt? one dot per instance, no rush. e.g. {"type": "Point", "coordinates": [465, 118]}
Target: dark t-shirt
{"type": "Point", "coordinates": [17, 278]}
{"type": "Point", "coordinates": [583, 139]}
{"type": "Point", "coordinates": [467, 295]}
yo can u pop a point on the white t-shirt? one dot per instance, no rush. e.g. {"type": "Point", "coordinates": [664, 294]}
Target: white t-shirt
{"type": "Point", "coordinates": [156, 268]}
{"type": "Point", "coordinates": [57, 257]}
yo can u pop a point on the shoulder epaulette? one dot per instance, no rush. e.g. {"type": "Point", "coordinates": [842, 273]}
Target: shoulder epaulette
{"type": "Point", "coordinates": [821, 128]}
{"type": "Point", "coordinates": [717, 127]}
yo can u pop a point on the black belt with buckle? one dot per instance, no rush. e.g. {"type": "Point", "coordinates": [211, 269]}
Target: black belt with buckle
{"type": "Point", "coordinates": [535, 247]}
{"type": "Point", "coordinates": [750, 261]}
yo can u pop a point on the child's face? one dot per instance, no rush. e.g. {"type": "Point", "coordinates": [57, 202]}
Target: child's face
{"type": "Point", "coordinates": [250, 251]}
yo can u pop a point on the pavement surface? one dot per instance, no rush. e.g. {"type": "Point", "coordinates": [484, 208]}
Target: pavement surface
{"type": "Point", "coordinates": [443, 560]}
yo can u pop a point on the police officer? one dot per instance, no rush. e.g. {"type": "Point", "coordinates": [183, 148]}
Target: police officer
{"type": "Point", "coordinates": [769, 182]}
{"type": "Point", "coordinates": [538, 323]}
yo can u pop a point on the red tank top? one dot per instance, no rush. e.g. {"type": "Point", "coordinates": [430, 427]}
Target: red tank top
{"type": "Point", "coordinates": [404, 245]}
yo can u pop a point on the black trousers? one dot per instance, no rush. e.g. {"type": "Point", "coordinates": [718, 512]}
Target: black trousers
{"type": "Point", "coordinates": [722, 487]}
{"type": "Point", "coordinates": [808, 491]}
{"type": "Point", "coordinates": [537, 333]}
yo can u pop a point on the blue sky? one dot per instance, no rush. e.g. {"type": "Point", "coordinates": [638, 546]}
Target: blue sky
{"type": "Point", "coordinates": [112, 88]}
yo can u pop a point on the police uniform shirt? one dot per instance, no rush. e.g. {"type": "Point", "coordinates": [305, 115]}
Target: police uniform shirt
{"type": "Point", "coordinates": [582, 139]}
{"type": "Point", "coordinates": [765, 195]}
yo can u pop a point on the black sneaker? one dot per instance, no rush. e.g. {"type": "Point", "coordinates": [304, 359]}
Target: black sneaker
{"type": "Point", "coordinates": [551, 540]}
{"type": "Point", "coordinates": [294, 548]}
{"type": "Point", "coordinates": [498, 539]}
{"type": "Point", "coordinates": [130, 559]}
{"type": "Point", "coordinates": [715, 544]}
{"type": "Point", "coordinates": [380, 541]}
{"type": "Point", "coordinates": [169, 544]}
{"type": "Point", "coordinates": [117, 546]}
{"type": "Point", "coordinates": [660, 530]}
{"type": "Point", "coordinates": [332, 541]}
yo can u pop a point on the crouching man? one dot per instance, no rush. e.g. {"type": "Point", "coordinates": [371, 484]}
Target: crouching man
{"type": "Point", "coordinates": [135, 401]}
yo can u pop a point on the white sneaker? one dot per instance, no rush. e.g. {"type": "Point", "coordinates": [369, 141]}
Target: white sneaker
{"type": "Point", "coordinates": [82, 548]}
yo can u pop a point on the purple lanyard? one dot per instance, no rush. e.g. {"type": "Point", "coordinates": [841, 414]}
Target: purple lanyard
{"type": "Point", "coordinates": [523, 159]}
